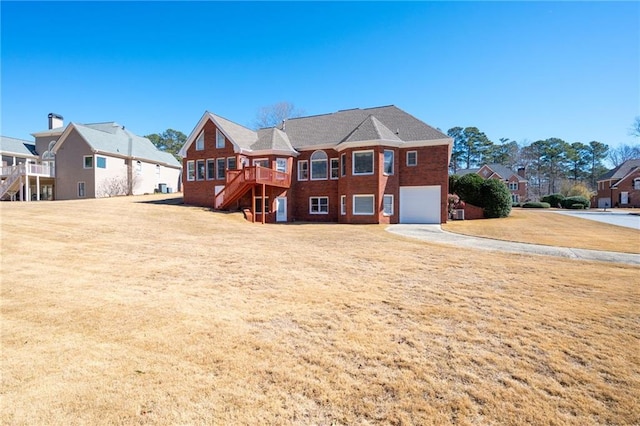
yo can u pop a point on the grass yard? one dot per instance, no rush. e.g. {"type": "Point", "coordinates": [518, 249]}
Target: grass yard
{"type": "Point", "coordinates": [120, 311]}
{"type": "Point", "coordinates": [551, 229]}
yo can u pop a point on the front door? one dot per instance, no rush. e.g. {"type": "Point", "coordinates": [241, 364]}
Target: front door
{"type": "Point", "coordinates": [281, 209]}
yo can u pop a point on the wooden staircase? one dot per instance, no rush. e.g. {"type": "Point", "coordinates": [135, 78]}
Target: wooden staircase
{"type": "Point", "coordinates": [9, 186]}
{"type": "Point", "coordinates": [241, 181]}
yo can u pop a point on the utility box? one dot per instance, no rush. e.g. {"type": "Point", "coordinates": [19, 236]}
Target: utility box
{"type": "Point", "coordinates": [162, 188]}
{"type": "Point", "coordinates": [458, 214]}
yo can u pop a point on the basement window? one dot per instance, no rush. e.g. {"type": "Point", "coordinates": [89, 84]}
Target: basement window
{"type": "Point", "coordinates": [318, 205]}
{"type": "Point", "coordinates": [363, 204]}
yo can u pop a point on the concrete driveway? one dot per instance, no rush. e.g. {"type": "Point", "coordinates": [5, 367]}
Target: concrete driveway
{"type": "Point", "coordinates": [613, 217]}
{"type": "Point", "coordinates": [435, 234]}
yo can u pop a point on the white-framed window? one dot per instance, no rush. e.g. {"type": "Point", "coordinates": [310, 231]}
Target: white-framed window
{"type": "Point", "coordinates": [412, 158]}
{"type": "Point", "coordinates": [363, 204]}
{"type": "Point", "coordinates": [262, 162]}
{"type": "Point", "coordinates": [211, 169]}
{"type": "Point", "coordinates": [388, 162]}
{"type": "Point", "coordinates": [258, 201]}
{"type": "Point", "coordinates": [281, 164]}
{"type": "Point", "coordinates": [157, 169]}
{"type": "Point", "coordinates": [81, 192]}
{"type": "Point", "coordinates": [87, 161]}
{"type": "Point", "coordinates": [220, 172]}
{"type": "Point", "coordinates": [219, 139]}
{"type": "Point", "coordinates": [303, 170]}
{"type": "Point", "coordinates": [231, 163]}
{"type": "Point", "coordinates": [362, 162]}
{"type": "Point", "coordinates": [636, 183]}
{"type": "Point", "coordinates": [335, 168]}
{"type": "Point", "coordinates": [191, 170]}
{"type": "Point", "coordinates": [200, 142]}
{"type": "Point", "coordinates": [318, 205]}
{"type": "Point", "coordinates": [387, 204]}
{"type": "Point", "coordinates": [513, 186]}
{"type": "Point", "coordinates": [101, 162]}
{"type": "Point", "coordinates": [515, 198]}
{"type": "Point", "coordinates": [343, 205]}
{"type": "Point", "coordinates": [343, 165]}
{"type": "Point", "coordinates": [200, 170]}
{"type": "Point", "coordinates": [319, 165]}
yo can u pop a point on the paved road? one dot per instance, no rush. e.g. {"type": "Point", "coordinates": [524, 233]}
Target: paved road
{"type": "Point", "coordinates": [434, 233]}
{"type": "Point", "coordinates": [612, 217]}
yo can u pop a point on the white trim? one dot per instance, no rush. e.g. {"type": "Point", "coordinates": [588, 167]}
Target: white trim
{"type": "Point", "coordinates": [218, 135]}
{"type": "Point", "coordinates": [200, 162]}
{"type": "Point", "coordinates": [84, 162]}
{"type": "Point", "coordinates": [193, 168]}
{"type": "Point", "coordinates": [266, 200]}
{"type": "Point", "coordinates": [325, 160]}
{"type": "Point", "coordinates": [318, 197]}
{"type": "Point", "coordinates": [343, 164]}
{"type": "Point", "coordinates": [392, 205]}
{"type": "Point", "coordinates": [353, 162]}
{"type": "Point", "coordinates": [392, 143]}
{"type": "Point", "coordinates": [232, 158]}
{"type": "Point", "coordinates": [343, 205]}
{"type": "Point", "coordinates": [200, 139]}
{"type": "Point", "coordinates": [84, 189]}
{"type": "Point", "coordinates": [213, 174]}
{"type": "Point", "coordinates": [224, 170]}
{"type": "Point", "coordinates": [373, 204]}
{"type": "Point", "coordinates": [255, 160]}
{"type": "Point", "coordinates": [393, 160]}
{"type": "Point", "coordinates": [299, 169]}
{"type": "Point", "coordinates": [407, 159]}
{"type": "Point", "coordinates": [331, 160]}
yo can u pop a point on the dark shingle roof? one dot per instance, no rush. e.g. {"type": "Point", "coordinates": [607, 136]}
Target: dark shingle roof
{"type": "Point", "coordinates": [331, 129]}
{"type": "Point", "coordinates": [622, 170]}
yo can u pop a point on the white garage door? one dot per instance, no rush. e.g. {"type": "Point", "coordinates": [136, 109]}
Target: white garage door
{"type": "Point", "coordinates": [420, 204]}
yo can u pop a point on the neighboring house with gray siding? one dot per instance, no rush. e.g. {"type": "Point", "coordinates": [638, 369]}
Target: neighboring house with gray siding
{"type": "Point", "coordinates": [90, 161]}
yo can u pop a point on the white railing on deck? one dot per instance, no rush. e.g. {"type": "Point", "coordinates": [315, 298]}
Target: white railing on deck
{"type": "Point", "coordinates": [33, 169]}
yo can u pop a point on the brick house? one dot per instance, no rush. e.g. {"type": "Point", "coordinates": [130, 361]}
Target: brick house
{"type": "Point", "coordinates": [373, 165]}
{"type": "Point", "coordinates": [620, 187]}
{"type": "Point", "coordinates": [516, 182]}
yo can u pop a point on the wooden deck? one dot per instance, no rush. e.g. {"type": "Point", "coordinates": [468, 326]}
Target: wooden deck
{"type": "Point", "coordinates": [240, 181]}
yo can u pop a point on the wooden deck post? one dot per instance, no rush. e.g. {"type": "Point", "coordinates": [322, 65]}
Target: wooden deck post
{"type": "Point", "coordinates": [253, 204]}
{"type": "Point", "coordinates": [264, 207]}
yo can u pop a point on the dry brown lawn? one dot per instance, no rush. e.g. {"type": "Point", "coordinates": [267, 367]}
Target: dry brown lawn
{"type": "Point", "coordinates": [116, 311]}
{"type": "Point", "coordinates": [548, 228]}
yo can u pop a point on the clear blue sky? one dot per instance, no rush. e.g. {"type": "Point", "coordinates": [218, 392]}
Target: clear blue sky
{"type": "Point", "coordinates": [520, 70]}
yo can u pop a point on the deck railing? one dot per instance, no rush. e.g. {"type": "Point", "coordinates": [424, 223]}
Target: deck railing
{"type": "Point", "coordinates": [42, 170]}
{"type": "Point", "coordinates": [238, 180]}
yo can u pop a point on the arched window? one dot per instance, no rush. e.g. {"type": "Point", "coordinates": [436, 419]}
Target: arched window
{"type": "Point", "coordinates": [318, 165]}
{"type": "Point", "coordinates": [636, 183]}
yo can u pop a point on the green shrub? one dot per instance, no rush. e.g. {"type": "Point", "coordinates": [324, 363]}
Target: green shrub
{"type": "Point", "coordinates": [516, 205]}
{"type": "Point", "coordinates": [536, 205]}
{"type": "Point", "coordinates": [453, 184]}
{"type": "Point", "coordinates": [468, 188]}
{"type": "Point", "coordinates": [577, 206]}
{"type": "Point", "coordinates": [496, 198]}
{"type": "Point", "coordinates": [553, 199]}
{"type": "Point", "coordinates": [568, 202]}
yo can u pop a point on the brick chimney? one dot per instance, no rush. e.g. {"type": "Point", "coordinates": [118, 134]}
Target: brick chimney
{"type": "Point", "coordinates": [521, 172]}
{"type": "Point", "coordinates": [55, 120]}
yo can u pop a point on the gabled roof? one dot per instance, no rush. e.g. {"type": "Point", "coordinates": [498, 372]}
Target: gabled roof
{"type": "Point", "coordinates": [18, 147]}
{"type": "Point", "coordinates": [622, 170]}
{"type": "Point", "coordinates": [112, 138]}
{"type": "Point", "coordinates": [503, 172]}
{"type": "Point", "coordinates": [272, 139]}
{"type": "Point", "coordinates": [387, 125]}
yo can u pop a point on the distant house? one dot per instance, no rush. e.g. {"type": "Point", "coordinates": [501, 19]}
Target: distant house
{"type": "Point", "coordinates": [24, 176]}
{"type": "Point", "coordinates": [516, 182]}
{"type": "Point", "coordinates": [373, 165]}
{"type": "Point", "coordinates": [620, 187]}
{"type": "Point", "coordinates": [91, 161]}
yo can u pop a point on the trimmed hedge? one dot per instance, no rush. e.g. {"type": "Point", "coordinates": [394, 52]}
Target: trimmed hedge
{"type": "Point", "coordinates": [553, 199]}
{"type": "Point", "coordinates": [569, 202]}
{"type": "Point", "coordinates": [496, 198]}
{"type": "Point", "coordinates": [536, 205]}
{"type": "Point", "coordinates": [468, 189]}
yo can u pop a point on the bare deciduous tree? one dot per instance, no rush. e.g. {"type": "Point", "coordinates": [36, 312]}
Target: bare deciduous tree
{"type": "Point", "coordinates": [273, 115]}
